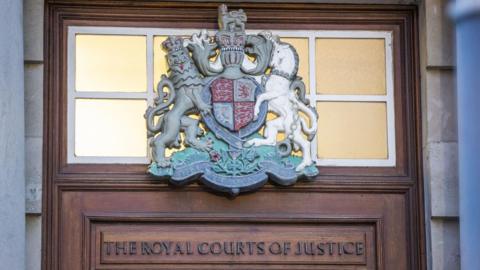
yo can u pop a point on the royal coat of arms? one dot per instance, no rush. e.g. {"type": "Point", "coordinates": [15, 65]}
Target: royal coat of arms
{"type": "Point", "coordinates": [213, 107]}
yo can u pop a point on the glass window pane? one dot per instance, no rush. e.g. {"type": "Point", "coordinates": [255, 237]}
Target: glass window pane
{"type": "Point", "coordinates": [110, 128]}
{"type": "Point", "coordinates": [350, 66]}
{"type": "Point", "coordinates": [160, 65]}
{"type": "Point", "coordinates": [352, 130]}
{"type": "Point", "coordinates": [301, 46]}
{"type": "Point", "coordinates": [111, 63]}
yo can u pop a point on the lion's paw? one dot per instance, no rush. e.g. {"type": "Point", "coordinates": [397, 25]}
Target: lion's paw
{"type": "Point", "coordinates": [164, 163]}
{"type": "Point", "coordinates": [204, 145]}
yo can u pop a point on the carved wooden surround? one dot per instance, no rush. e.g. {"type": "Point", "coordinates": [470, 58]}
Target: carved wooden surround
{"type": "Point", "coordinates": [116, 216]}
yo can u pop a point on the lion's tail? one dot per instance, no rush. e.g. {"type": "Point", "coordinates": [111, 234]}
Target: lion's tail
{"type": "Point", "coordinates": [160, 107]}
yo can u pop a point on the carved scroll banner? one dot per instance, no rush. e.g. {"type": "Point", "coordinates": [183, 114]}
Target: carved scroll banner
{"type": "Point", "coordinates": [233, 244]}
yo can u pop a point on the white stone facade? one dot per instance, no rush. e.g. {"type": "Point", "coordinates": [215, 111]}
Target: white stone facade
{"type": "Point", "coordinates": [440, 151]}
{"type": "Point", "coordinates": [438, 118]}
{"type": "Point", "coordinates": [12, 151]}
{"type": "Point", "coordinates": [33, 54]}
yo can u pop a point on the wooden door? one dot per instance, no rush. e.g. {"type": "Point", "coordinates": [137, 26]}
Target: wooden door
{"type": "Point", "coordinates": [115, 216]}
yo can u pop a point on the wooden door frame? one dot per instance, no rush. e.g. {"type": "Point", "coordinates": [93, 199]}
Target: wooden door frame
{"type": "Point", "coordinates": [406, 178]}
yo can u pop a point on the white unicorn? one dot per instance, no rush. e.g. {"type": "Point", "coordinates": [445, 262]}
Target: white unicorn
{"type": "Point", "coordinates": [281, 89]}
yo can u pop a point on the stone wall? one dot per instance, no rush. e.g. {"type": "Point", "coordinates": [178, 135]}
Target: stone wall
{"type": "Point", "coordinates": [439, 135]}
{"type": "Point", "coordinates": [12, 153]}
{"type": "Point", "coordinates": [33, 54]}
{"type": "Point", "coordinates": [439, 128]}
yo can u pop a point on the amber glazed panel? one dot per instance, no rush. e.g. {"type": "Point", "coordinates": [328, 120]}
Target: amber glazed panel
{"type": "Point", "coordinates": [111, 63]}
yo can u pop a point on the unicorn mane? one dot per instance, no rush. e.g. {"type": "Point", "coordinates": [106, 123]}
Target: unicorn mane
{"type": "Point", "coordinates": [296, 59]}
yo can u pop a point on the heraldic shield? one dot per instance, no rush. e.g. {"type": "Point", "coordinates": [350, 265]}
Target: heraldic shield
{"type": "Point", "coordinates": [233, 104]}
{"type": "Point", "coordinates": [215, 111]}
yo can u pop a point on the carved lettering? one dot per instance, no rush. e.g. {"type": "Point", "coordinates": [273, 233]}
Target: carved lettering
{"type": "Point", "coordinates": [348, 248]}
{"type": "Point", "coordinates": [321, 249]}
{"type": "Point", "coordinates": [261, 248]}
{"type": "Point", "coordinates": [239, 250]}
{"type": "Point", "coordinates": [216, 248]}
{"type": "Point", "coordinates": [360, 248]}
{"type": "Point", "coordinates": [108, 246]}
{"type": "Point", "coordinates": [120, 247]}
{"type": "Point", "coordinates": [234, 248]}
{"type": "Point", "coordinates": [250, 245]}
{"type": "Point", "coordinates": [146, 248]}
{"type": "Point", "coordinates": [275, 248]}
{"type": "Point", "coordinates": [286, 248]}
{"type": "Point", "coordinates": [202, 248]}
{"type": "Point", "coordinates": [222, 244]}
{"type": "Point", "coordinates": [133, 248]}
{"type": "Point", "coordinates": [178, 249]}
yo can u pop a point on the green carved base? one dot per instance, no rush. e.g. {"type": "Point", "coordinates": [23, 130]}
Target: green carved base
{"type": "Point", "coordinates": [230, 162]}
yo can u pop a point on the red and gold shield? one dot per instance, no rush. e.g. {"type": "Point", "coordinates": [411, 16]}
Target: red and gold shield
{"type": "Point", "coordinates": [233, 102]}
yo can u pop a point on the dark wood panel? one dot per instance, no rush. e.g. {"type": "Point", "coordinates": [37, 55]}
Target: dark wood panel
{"type": "Point", "coordinates": [337, 216]}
